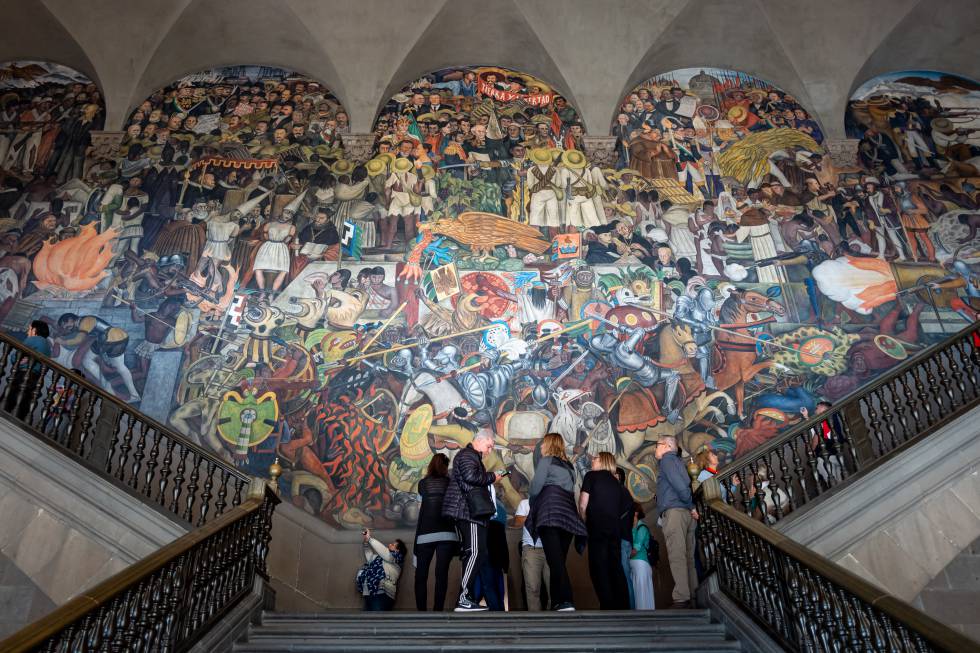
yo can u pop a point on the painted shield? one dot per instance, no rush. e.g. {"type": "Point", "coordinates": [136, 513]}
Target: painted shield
{"type": "Point", "coordinates": [414, 442]}
{"type": "Point", "coordinates": [641, 482]}
{"type": "Point", "coordinates": [476, 392]}
{"type": "Point", "coordinates": [891, 347]}
{"type": "Point", "coordinates": [813, 350]}
{"type": "Point", "coordinates": [247, 421]}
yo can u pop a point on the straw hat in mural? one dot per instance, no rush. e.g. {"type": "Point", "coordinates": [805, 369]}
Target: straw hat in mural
{"type": "Point", "coordinates": [573, 159]}
{"type": "Point", "coordinates": [376, 166]}
{"type": "Point", "coordinates": [342, 167]}
{"type": "Point", "coordinates": [626, 209]}
{"type": "Point", "coordinates": [541, 156]}
{"type": "Point", "coordinates": [737, 114]}
{"type": "Point", "coordinates": [943, 125]}
{"type": "Point", "coordinates": [428, 172]}
{"type": "Point", "coordinates": [402, 165]}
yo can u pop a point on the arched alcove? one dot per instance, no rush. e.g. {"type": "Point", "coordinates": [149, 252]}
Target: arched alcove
{"type": "Point", "coordinates": [917, 124]}
{"type": "Point", "coordinates": [48, 112]}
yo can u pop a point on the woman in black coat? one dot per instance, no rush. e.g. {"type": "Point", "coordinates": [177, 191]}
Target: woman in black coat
{"type": "Point", "coordinates": [554, 517]}
{"type": "Point", "coordinates": [604, 504]}
{"type": "Point", "coordinates": [435, 535]}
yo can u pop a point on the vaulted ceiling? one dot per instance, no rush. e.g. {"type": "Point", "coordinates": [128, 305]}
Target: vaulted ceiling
{"type": "Point", "coordinates": [365, 50]}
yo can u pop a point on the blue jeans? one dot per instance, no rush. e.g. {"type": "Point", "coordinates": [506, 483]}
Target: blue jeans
{"type": "Point", "coordinates": [626, 547]}
{"type": "Point", "coordinates": [378, 603]}
{"type": "Point", "coordinates": [490, 585]}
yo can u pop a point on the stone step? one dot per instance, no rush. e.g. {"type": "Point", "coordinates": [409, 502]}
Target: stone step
{"type": "Point", "coordinates": [447, 632]}
{"type": "Point", "coordinates": [581, 616]}
{"type": "Point", "coordinates": [499, 643]}
{"type": "Point", "coordinates": [478, 628]}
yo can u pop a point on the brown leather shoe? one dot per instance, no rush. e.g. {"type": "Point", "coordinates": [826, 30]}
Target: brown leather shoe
{"type": "Point", "coordinates": [682, 605]}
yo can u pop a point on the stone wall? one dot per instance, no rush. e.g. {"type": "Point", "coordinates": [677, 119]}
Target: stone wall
{"type": "Point", "coordinates": [64, 529]}
{"type": "Point", "coordinates": [911, 525]}
{"type": "Point", "coordinates": [953, 596]}
{"type": "Point", "coordinates": [313, 565]}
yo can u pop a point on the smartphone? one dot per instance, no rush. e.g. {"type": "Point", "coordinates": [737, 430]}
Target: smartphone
{"type": "Point", "coordinates": [506, 472]}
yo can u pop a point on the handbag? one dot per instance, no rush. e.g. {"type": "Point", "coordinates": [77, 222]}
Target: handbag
{"type": "Point", "coordinates": [478, 502]}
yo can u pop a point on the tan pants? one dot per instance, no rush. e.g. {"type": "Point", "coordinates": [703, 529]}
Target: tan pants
{"type": "Point", "coordinates": [678, 527]}
{"type": "Point", "coordinates": [534, 567]}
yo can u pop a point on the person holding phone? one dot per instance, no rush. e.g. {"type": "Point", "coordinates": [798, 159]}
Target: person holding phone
{"type": "Point", "coordinates": [468, 487]}
{"type": "Point", "coordinates": [377, 579]}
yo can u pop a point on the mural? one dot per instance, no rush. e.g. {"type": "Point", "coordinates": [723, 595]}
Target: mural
{"type": "Point", "coordinates": [917, 123]}
{"type": "Point", "coordinates": [232, 271]}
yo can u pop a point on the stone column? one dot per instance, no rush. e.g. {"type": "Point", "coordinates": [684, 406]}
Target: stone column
{"type": "Point", "coordinates": [358, 146]}
{"type": "Point", "coordinates": [105, 147]}
{"type": "Point", "coordinates": [601, 150]}
{"type": "Point", "coordinates": [842, 151]}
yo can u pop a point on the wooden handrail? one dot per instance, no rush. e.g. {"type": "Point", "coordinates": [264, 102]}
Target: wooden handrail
{"type": "Point", "coordinates": [29, 638]}
{"type": "Point", "coordinates": [936, 633]}
{"type": "Point", "coordinates": [106, 397]}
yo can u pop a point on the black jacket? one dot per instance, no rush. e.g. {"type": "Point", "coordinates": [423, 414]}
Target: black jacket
{"type": "Point", "coordinates": [431, 519]}
{"type": "Point", "coordinates": [468, 472]}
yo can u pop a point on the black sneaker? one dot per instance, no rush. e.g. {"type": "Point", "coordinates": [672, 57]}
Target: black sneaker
{"type": "Point", "coordinates": [564, 607]}
{"type": "Point", "coordinates": [466, 605]}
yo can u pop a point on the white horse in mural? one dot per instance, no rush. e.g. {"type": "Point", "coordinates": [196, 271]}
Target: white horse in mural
{"type": "Point", "coordinates": [439, 390]}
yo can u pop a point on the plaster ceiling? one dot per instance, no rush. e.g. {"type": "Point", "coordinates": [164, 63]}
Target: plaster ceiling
{"type": "Point", "coordinates": [365, 50]}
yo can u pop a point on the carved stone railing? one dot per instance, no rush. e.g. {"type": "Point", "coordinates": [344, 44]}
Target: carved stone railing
{"type": "Point", "coordinates": [170, 599]}
{"type": "Point", "coordinates": [786, 475]}
{"type": "Point", "coordinates": [116, 441]}
{"type": "Point", "coordinates": [806, 602]}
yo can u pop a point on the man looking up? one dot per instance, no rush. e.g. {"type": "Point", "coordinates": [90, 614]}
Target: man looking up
{"type": "Point", "coordinates": [676, 513]}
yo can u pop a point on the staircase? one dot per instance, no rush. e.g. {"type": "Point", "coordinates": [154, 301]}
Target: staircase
{"type": "Point", "coordinates": [361, 632]}
{"type": "Point", "coordinates": [206, 589]}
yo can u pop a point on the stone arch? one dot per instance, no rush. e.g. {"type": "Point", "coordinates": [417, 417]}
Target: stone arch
{"type": "Point", "coordinates": [502, 36]}
{"type": "Point", "coordinates": [927, 117]}
{"type": "Point", "coordinates": [60, 101]}
{"type": "Point", "coordinates": [929, 37]}
{"type": "Point", "coordinates": [205, 35]}
{"type": "Point", "coordinates": [38, 35]}
{"type": "Point", "coordinates": [751, 46]}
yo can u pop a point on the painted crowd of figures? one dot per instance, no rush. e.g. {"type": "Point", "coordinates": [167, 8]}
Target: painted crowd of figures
{"type": "Point", "coordinates": [714, 279]}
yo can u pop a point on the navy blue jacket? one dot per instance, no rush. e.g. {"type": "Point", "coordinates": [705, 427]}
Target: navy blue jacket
{"type": "Point", "coordinates": [673, 484]}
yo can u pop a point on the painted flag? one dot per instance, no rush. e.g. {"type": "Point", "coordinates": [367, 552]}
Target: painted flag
{"type": "Point", "coordinates": [350, 241]}
{"type": "Point", "coordinates": [413, 127]}
{"type": "Point", "coordinates": [566, 246]}
{"type": "Point", "coordinates": [445, 281]}
{"type": "Point", "coordinates": [236, 310]}
{"type": "Point", "coordinates": [556, 124]}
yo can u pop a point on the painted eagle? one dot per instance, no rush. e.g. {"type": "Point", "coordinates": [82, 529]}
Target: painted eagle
{"type": "Point", "coordinates": [483, 232]}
